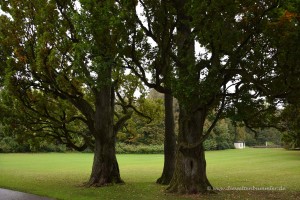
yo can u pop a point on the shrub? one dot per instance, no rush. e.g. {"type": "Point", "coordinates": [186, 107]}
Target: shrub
{"type": "Point", "coordinates": [44, 146]}
{"type": "Point", "coordinates": [10, 145]}
{"type": "Point", "coordinates": [122, 148]}
{"type": "Point", "coordinates": [210, 144]}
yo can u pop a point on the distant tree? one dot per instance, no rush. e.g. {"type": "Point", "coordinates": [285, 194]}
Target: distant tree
{"type": "Point", "coordinates": [146, 126]}
{"type": "Point", "coordinates": [291, 126]}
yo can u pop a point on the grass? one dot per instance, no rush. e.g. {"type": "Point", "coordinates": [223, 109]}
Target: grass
{"type": "Point", "coordinates": [58, 175]}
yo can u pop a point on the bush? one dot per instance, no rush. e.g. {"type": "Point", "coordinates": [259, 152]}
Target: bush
{"type": "Point", "coordinates": [291, 140]}
{"type": "Point", "coordinates": [210, 144]}
{"type": "Point", "coordinates": [250, 141]}
{"type": "Point", "coordinates": [10, 145]}
{"type": "Point", "coordinates": [218, 143]}
{"type": "Point", "coordinates": [122, 148]}
{"type": "Point", "coordinates": [225, 145]}
{"type": "Point", "coordinates": [45, 146]}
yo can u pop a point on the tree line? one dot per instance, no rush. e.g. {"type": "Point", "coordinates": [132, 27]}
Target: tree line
{"type": "Point", "coordinates": [70, 71]}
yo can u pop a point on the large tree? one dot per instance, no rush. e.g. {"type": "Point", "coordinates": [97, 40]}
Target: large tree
{"type": "Point", "coordinates": [240, 65]}
{"type": "Point", "coordinates": [138, 53]}
{"type": "Point", "coordinates": [60, 60]}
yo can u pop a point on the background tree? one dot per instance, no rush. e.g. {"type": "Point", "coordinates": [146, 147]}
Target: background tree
{"type": "Point", "coordinates": [290, 124]}
{"type": "Point", "coordinates": [145, 126]}
{"type": "Point", "coordinates": [142, 63]}
{"type": "Point", "coordinates": [221, 137]}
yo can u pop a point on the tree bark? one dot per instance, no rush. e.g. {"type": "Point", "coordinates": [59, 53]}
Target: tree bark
{"type": "Point", "coordinates": [169, 143]}
{"type": "Point", "coordinates": [190, 168]}
{"type": "Point", "coordinates": [105, 169]}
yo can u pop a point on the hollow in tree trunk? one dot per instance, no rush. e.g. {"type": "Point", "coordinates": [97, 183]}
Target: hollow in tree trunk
{"type": "Point", "coordinates": [190, 167]}
{"type": "Point", "coordinates": [169, 143]}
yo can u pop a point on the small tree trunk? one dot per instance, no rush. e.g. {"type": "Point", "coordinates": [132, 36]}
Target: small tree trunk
{"type": "Point", "coordinates": [105, 166]}
{"type": "Point", "coordinates": [169, 143]}
{"type": "Point", "coordinates": [190, 168]}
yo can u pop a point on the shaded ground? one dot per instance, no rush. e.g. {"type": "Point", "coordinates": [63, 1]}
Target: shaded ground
{"type": "Point", "coordinates": [14, 195]}
{"type": "Point", "coordinates": [249, 195]}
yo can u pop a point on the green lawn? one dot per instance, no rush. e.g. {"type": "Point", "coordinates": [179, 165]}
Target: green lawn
{"type": "Point", "coordinates": [59, 175]}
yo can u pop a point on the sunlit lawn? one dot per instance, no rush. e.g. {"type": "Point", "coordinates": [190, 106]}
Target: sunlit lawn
{"type": "Point", "coordinates": [59, 175]}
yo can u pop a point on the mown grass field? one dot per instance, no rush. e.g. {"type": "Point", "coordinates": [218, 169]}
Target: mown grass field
{"type": "Point", "coordinates": [59, 175]}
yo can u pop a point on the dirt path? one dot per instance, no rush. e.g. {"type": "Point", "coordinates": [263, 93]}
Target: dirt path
{"type": "Point", "coordinates": [14, 195]}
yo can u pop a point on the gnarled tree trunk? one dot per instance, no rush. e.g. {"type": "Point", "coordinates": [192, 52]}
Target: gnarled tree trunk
{"type": "Point", "coordinates": [105, 169]}
{"type": "Point", "coordinates": [190, 168]}
{"type": "Point", "coordinates": [169, 143]}
{"type": "Point", "coordinates": [105, 166]}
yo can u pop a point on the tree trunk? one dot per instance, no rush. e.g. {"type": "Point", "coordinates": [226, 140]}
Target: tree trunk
{"type": "Point", "coordinates": [105, 166]}
{"type": "Point", "coordinates": [169, 143]}
{"type": "Point", "coordinates": [190, 168]}
{"type": "Point", "coordinates": [105, 169]}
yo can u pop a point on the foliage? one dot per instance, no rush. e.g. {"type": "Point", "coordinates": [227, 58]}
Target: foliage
{"type": "Point", "coordinates": [243, 69]}
{"type": "Point", "coordinates": [48, 118]}
{"type": "Point", "coordinates": [15, 143]}
{"type": "Point", "coordinates": [291, 140]}
{"type": "Point", "coordinates": [210, 144]}
{"type": "Point", "coordinates": [145, 130]}
{"type": "Point", "coordinates": [59, 58]}
{"type": "Point", "coordinates": [291, 125]}
{"type": "Point", "coordinates": [9, 145]}
{"type": "Point", "coordinates": [122, 148]}
{"type": "Point", "coordinates": [270, 135]}
{"type": "Point", "coordinates": [221, 137]}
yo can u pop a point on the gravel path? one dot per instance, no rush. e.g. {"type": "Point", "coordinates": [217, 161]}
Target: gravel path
{"type": "Point", "coordinates": [14, 195]}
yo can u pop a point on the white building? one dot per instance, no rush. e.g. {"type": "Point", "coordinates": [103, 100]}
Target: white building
{"type": "Point", "coordinates": [239, 145]}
